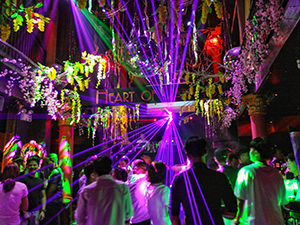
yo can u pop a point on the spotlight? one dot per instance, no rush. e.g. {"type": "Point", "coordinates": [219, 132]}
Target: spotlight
{"type": "Point", "coordinates": [190, 117]}
{"type": "Point", "coordinates": [170, 115]}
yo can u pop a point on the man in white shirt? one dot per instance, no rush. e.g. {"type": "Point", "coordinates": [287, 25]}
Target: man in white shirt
{"type": "Point", "coordinates": [260, 189]}
{"type": "Point", "coordinates": [105, 201]}
{"type": "Point", "coordinates": [138, 186]}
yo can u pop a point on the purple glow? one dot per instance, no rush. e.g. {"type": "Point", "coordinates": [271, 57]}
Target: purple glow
{"type": "Point", "coordinates": [158, 40]}
{"type": "Point", "coordinates": [145, 70]}
{"type": "Point", "coordinates": [109, 148]}
{"type": "Point", "coordinates": [84, 31]}
{"type": "Point", "coordinates": [186, 178]}
{"type": "Point", "coordinates": [200, 190]}
{"type": "Point", "coordinates": [170, 115]}
{"type": "Point", "coordinates": [176, 51]}
{"type": "Point", "coordinates": [165, 94]}
{"type": "Point", "coordinates": [185, 48]}
{"type": "Point", "coordinates": [135, 31]}
{"type": "Point", "coordinates": [162, 122]}
{"type": "Point", "coordinates": [153, 134]}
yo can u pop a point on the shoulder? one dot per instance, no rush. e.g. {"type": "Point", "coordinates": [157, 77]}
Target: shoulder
{"type": "Point", "coordinates": [21, 187]}
{"type": "Point", "coordinates": [122, 185]}
{"type": "Point", "coordinates": [20, 184]}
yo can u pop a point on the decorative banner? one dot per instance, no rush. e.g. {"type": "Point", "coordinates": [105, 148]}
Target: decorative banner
{"type": "Point", "coordinates": [132, 96]}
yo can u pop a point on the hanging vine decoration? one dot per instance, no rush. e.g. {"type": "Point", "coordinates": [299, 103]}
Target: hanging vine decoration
{"type": "Point", "coordinates": [93, 123]}
{"type": "Point", "coordinates": [267, 19]}
{"type": "Point", "coordinates": [17, 15]}
{"type": "Point", "coordinates": [210, 108]}
{"type": "Point", "coordinates": [70, 105]}
{"type": "Point", "coordinates": [206, 8]}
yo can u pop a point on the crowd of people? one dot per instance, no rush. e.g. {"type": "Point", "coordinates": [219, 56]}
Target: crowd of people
{"type": "Point", "coordinates": [31, 196]}
{"type": "Point", "coordinates": [247, 186]}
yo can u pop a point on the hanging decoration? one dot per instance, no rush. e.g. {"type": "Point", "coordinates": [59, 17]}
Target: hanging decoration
{"type": "Point", "coordinates": [206, 7]}
{"type": "Point", "coordinates": [10, 151]}
{"type": "Point", "coordinates": [246, 68]}
{"type": "Point", "coordinates": [70, 105]}
{"type": "Point", "coordinates": [210, 108]}
{"type": "Point", "coordinates": [114, 121]}
{"type": "Point", "coordinates": [33, 148]}
{"type": "Point", "coordinates": [17, 15]}
{"type": "Point", "coordinates": [38, 85]}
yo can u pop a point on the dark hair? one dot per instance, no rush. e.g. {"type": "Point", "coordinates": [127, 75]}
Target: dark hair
{"type": "Point", "coordinates": [157, 172]}
{"type": "Point", "coordinates": [195, 146]}
{"type": "Point", "coordinates": [89, 169]}
{"type": "Point", "coordinates": [103, 165]}
{"type": "Point", "coordinates": [221, 154]}
{"type": "Point", "coordinates": [120, 174]}
{"type": "Point", "coordinates": [262, 147]}
{"type": "Point", "coordinates": [125, 158]}
{"type": "Point", "coordinates": [242, 149]}
{"type": "Point", "coordinates": [139, 163]}
{"type": "Point", "coordinates": [33, 158]}
{"type": "Point", "coordinates": [232, 156]}
{"type": "Point", "coordinates": [10, 172]}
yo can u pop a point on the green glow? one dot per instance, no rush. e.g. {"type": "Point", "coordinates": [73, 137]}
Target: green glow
{"type": "Point", "coordinates": [65, 164]}
{"type": "Point", "coordinates": [105, 33]}
{"type": "Point", "coordinates": [291, 188]}
{"type": "Point", "coordinates": [242, 178]}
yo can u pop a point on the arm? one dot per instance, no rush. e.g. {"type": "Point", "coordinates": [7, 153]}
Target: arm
{"type": "Point", "coordinates": [24, 203]}
{"type": "Point", "coordinates": [127, 203]}
{"type": "Point", "coordinates": [229, 199]}
{"type": "Point", "coordinates": [240, 191]}
{"type": "Point", "coordinates": [80, 213]}
{"type": "Point", "coordinates": [43, 200]}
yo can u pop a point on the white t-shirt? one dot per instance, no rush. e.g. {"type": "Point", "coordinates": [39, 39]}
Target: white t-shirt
{"type": "Point", "coordinates": [263, 190]}
{"type": "Point", "coordinates": [105, 202]}
{"type": "Point", "coordinates": [10, 204]}
{"type": "Point", "coordinates": [158, 198]}
{"type": "Point", "coordinates": [138, 187]}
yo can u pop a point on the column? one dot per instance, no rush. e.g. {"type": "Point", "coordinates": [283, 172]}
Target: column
{"type": "Point", "coordinates": [257, 110]}
{"type": "Point", "coordinates": [65, 152]}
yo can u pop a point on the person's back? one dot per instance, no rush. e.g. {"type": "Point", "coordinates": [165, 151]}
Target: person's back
{"type": "Point", "coordinates": [158, 202]}
{"type": "Point", "coordinates": [158, 194]}
{"type": "Point", "coordinates": [215, 188]}
{"type": "Point", "coordinates": [13, 194]}
{"type": "Point", "coordinates": [213, 185]}
{"type": "Point", "coordinates": [263, 188]}
{"type": "Point", "coordinates": [260, 189]}
{"type": "Point", "coordinates": [104, 202]}
{"type": "Point", "coordinates": [138, 186]}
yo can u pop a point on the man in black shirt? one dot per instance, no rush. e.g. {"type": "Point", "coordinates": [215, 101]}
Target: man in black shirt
{"type": "Point", "coordinates": [188, 187]}
{"type": "Point", "coordinates": [36, 193]}
{"type": "Point", "coordinates": [54, 192]}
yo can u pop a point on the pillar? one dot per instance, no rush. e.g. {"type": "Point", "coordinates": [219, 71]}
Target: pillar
{"type": "Point", "coordinates": [65, 152]}
{"type": "Point", "coordinates": [257, 110]}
